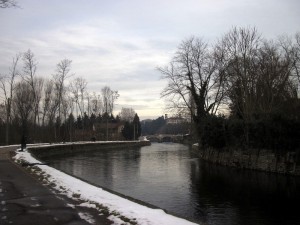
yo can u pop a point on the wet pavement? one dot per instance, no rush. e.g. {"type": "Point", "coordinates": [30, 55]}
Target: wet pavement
{"type": "Point", "coordinates": [24, 200]}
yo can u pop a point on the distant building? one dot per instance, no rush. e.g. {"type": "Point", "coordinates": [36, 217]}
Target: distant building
{"type": "Point", "coordinates": [114, 129]}
{"type": "Point", "coordinates": [174, 120]}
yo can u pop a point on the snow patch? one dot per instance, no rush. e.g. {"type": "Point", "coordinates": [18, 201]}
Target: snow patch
{"type": "Point", "coordinates": [87, 217]}
{"type": "Point", "coordinates": [75, 188]}
{"type": "Point", "coordinates": [71, 206]}
{"type": "Point", "coordinates": [116, 220]}
{"type": "Point", "coordinates": [88, 205]}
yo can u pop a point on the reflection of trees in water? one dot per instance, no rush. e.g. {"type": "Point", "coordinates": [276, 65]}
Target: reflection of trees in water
{"type": "Point", "coordinates": [258, 196]}
{"type": "Point", "coordinates": [100, 167]}
{"type": "Point", "coordinates": [256, 182]}
{"type": "Point", "coordinates": [205, 192]}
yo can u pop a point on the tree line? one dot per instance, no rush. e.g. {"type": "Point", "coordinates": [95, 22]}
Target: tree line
{"type": "Point", "coordinates": [160, 126]}
{"type": "Point", "coordinates": [241, 91]}
{"type": "Point", "coordinates": [44, 109]}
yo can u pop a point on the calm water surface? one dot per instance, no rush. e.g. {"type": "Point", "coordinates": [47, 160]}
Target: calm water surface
{"type": "Point", "coordinates": [171, 177]}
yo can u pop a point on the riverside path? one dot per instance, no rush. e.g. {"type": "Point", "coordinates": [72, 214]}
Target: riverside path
{"type": "Point", "coordinates": [23, 200]}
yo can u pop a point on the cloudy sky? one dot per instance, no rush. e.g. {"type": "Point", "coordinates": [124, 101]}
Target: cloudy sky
{"type": "Point", "coordinates": [119, 43]}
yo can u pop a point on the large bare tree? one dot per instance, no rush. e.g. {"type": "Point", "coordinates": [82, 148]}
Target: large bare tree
{"type": "Point", "coordinates": [49, 104]}
{"type": "Point", "coordinates": [297, 55]}
{"type": "Point", "coordinates": [96, 103]}
{"type": "Point", "coordinates": [259, 72]}
{"type": "Point", "coordinates": [109, 96]}
{"type": "Point", "coordinates": [195, 81]}
{"type": "Point", "coordinates": [8, 4]}
{"type": "Point", "coordinates": [7, 83]}
{"type": "Point", "coordinates": [127, 114]}
{"type": "Point", "coordinates": [63, 69]}
{"type": "Point", "coordinates": [240, 48]}
{"type": "Point", "coordinates": [36, 83]}
{"type": "Point", "coordinates": [23, 106]}
{"type": "Point", "coordinates": [78, 88]}
{"type": "Point", "coordinates": [62, 73]}
{"type": "Point", "coordinates": [260, 77]}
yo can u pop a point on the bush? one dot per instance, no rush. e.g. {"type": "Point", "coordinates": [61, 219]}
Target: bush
{"type": "Point", "coordinates": [277, 133]}
{"type": "Point", "coordinates": [214, 132]}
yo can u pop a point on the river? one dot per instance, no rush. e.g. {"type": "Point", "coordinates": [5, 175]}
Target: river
{"type": "Point", "coordinates": [172, 177]}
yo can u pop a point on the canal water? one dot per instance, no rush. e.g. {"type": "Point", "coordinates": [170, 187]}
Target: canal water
{"type": "Point", "coordinates": [172, 177]}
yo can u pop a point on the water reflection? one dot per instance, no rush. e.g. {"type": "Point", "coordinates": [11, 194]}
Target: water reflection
{"type": "Point", "coordinates": [231, 196]}
{"type": "Point", "coordinates": [170, 176]}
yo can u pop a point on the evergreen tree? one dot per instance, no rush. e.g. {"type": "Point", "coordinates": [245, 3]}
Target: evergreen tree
{"type": "Point", "coordinates": [86, 121]}
{"type": "Point", "coordinates": [137, 130]}
{"type": "Point", "coordinates": [127, 131]}
{"type": "Point", "coordinates": [79, 123]}
{"type": "Point", "coordinates": [132, 130]}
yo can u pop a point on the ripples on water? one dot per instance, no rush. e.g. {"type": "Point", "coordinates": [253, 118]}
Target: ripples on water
{"type": "Point", "coordinates": [171, 177]}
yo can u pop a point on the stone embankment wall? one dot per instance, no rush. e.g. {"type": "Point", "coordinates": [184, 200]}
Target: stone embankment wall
{"type": "Point", "coordinates": [262, 160]}
{"type": "Point", "coordinates": [58, 149]}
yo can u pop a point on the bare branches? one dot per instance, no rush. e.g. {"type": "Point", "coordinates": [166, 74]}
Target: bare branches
{"type": "Point", "coordinates": [193, 77]}
{"type": "Point", "coordinates": [63, 69]}
{"type": "Point", "coordinates": [255, 76]}
{"type": "Point", "coordinates": [7, 81]}
{"type": "Point", "coordinates": [8, 4]}
{"type": "Point", "coordinates": [109, 96]}
{"type": "Point", "coordinates": [195, 81]}
{"type": "Point", "coordinates": [30, 67]}
{"type": "Point", "coordinates": [77, 88]}
{"type": "Point", "coordinates": [23, 102]}
{"type": "Point", "coordinates": [127, 114]}
{"type": "Point", "coordinates": [8, 86]}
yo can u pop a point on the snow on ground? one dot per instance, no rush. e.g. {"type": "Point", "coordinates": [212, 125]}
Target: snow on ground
{"type": "Point", "coordinates": [87, 217]}
{"type": "Point", "coordinates": [72, 186]}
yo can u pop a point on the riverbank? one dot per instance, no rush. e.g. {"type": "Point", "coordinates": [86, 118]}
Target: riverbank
{"type": "Point", "coordinates": [254, 159]}
{"type": "Point", "coordinates": [73, 147]}
{"type": "Point", "coordinates": [111, 207]}
{"type": "Point", "coordinates": [24, 200]}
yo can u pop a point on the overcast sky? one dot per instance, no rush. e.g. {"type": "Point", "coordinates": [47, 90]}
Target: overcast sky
{"type": "Point", "coordinates": [120, 43]}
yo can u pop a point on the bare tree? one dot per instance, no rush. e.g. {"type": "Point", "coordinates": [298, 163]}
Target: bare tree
{"type": "Point", "coordinates": [50, 103]}
{"type": "Point", "coordinates": [194, 81]}
{"type": "Point", "coordinates": [74, 89]}
{"type": "Point", "coordinates": [8, 4]}
{"type": "Point", "coordinates": [22, 100]}
{"type": "Point", "coordinates": [127, 114]}
{"type": "Point", "coordinates": [240, 48]}
{"type": "Point", "coordinates": [62, 73]}
{"type": "Point", "coordinates": [36, 84]}
{"type": "Point", "coordinates": [78, 87]}
{"type": "Point", "coordinates": [30, 67]}
{"type": "Point", "coordinates": [297, 57]}
{"type": "Point", "coordinates": [109, 96]}
{"type": "Point", "coordinates": [275, 80]}
{"type": "Point", "coordinates": [88, 97]}
{"type": "Point", "coordinates": [65, 107]}
{"type": "Point", "coordinates": [8, 85]}
{"type": "Point", "coordinates": [96, 103]}
{"type": "Point", "coordinates": [48, 90]}
{"type": "Point", "coordinates": [259, 72]}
